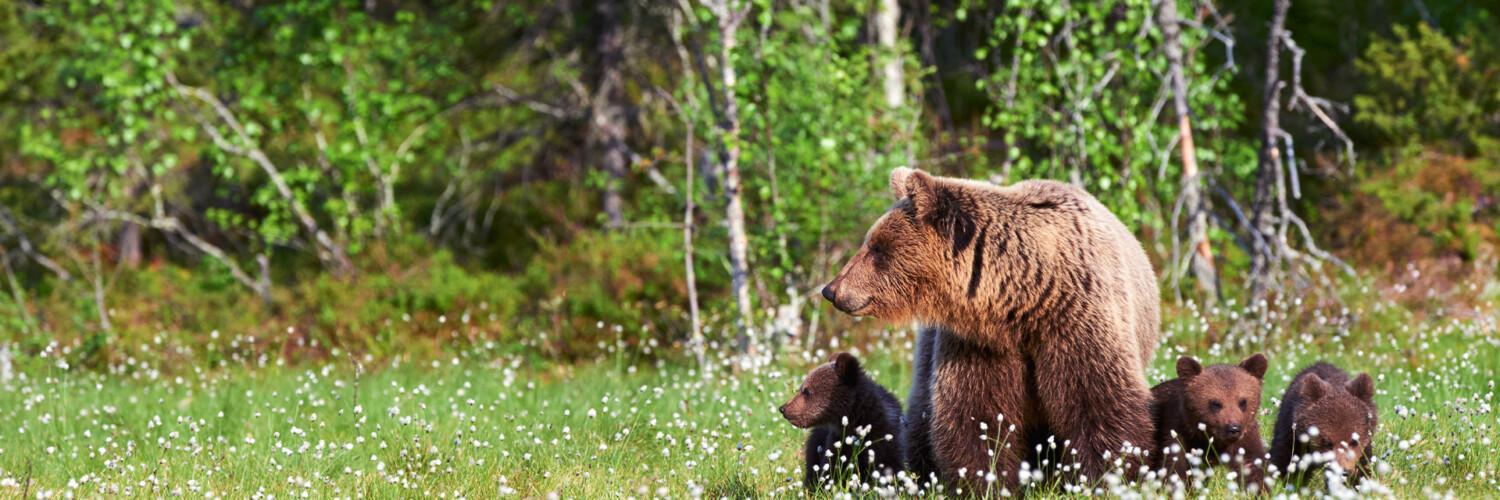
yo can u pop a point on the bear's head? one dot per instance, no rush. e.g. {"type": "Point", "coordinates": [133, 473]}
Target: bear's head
{"type": "Point", "coordinates": [1222, 399]}
{"type": "Point", "coordinates": [826, 394]}
{"type": "Point", "coordinates": [1337, 420]}
{"type": "Point", "coordinates": [904, 263]}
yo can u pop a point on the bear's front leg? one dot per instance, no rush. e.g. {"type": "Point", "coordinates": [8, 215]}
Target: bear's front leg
{"type": "Point", "coordinates": [917, 427]}
{"type": "Point", "coordinates": [1094, 397]}
{"type": "Point", "coordinates": [1250, 462]}
{"type": "Point", "coordinates": [816, 471]}
{"type": "Point", "coordinates": [972, 388]}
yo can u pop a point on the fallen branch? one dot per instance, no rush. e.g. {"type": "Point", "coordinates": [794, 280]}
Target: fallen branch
{"type": "Point", "coordinates": [172, 225]}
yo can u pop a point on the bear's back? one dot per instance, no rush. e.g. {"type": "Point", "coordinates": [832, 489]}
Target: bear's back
{"type": "Point", "coordinates": [1115, 254]}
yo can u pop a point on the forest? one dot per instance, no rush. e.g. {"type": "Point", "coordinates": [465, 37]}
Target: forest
{"type": "Point", "coordinates": [401, 247]}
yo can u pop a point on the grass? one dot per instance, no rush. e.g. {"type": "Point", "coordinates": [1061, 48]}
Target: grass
{"type": "Point", "coordinates": [486, 423]}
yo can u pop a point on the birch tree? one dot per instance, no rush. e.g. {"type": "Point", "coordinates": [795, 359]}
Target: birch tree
{"type": "Point", "coordinates": [729, 14]}
{"type": "Point", "coordinates": [892, 78]}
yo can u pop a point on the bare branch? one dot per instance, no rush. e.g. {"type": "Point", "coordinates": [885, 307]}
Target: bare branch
{"type": "Point", "coordinates": [169, 224]}
{"type": "Point", "coordinates": [1313, 104]}
{"type": "Point", "coordinates": [511, 96]}
{"type": "Point", "coordinates": [330, 252]}
{"type": "Point", "coordinates": [9, 224]}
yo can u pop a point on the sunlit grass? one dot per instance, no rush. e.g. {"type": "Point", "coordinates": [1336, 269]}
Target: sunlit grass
{"type": "Point", "coordinates": [486, 424]}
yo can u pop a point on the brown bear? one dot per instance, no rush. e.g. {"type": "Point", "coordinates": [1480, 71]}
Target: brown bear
{"type": "Point", "coordinates": [856, 424]}
{"type": "Point", "coordinates": [1325, 417]}
{"type": "Point", "coordinates": [1211, 411]}
{"type": "Point", "coordinates": [1048, 313]}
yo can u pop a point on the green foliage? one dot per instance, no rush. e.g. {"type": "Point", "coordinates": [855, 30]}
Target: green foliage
{"type": "Point", "coordinates": [816, 141]}
{"type": "Point", "coordinates": [340, 101]}
{"type": "Point", "coordinates": [107, 67]}
{"type": "Point", "coordinates": [1432, 104]}
{"type": "Point", "coordinates": [441, 146]}
{"type": "Point", "coordinates": [606, 287]}
{"type": "Point", "coordinates": [1423, 87]}
{"type": "Point", "coordinates": [1444, 197]}
{"type": "Point", "coordinates": [819, 141]}
{"type": "Point", "coordinates": [1078, 92]}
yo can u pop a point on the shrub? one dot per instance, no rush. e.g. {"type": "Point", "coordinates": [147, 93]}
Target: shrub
{"type": "Point", "coordinates": [605, 289]}
{"type": "Point", "coordinates": [1423, 87]}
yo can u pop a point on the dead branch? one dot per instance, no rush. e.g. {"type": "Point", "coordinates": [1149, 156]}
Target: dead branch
{"type": "Point", "coordinates": [8, 223]}
{"type": "Point", "coordinates": [170, 224]}
{"type": "Point", "coordinates": [331, 253]}
{"type": "Point", "coordinates": [1314, 104]}
{"type": "Point", "coordinates": [17, 295]}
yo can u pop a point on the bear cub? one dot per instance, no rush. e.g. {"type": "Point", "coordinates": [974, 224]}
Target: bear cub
{"type": "Point", "coordinates": [855, 423]}
{"type": "Point", "coordinates": [1211, 410]}
{"type": "Point", "coordinates": [1325, 417]}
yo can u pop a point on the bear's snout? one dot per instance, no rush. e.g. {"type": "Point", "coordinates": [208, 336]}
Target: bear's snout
{"type": "Point", "coordinates": [1346, 458]}
{"type": "Point", "coordinates": [1233, 431]}
{"type": "Point", "coordinates": [842, 301]}
{"type": "Point", "coordinates": [831, 293]}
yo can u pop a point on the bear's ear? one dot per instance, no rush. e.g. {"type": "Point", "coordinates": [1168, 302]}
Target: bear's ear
{"type": "Point", "coordinates": [846, 366]}
{"type": "Point", "coordinates": [1188, 367]}
{"type": "Point", "coordinates": [898, 182]}
{"type": "Point", "coordinates": [927, 197]}
{"type": "Point", "coordinates": [1362, 387]}
{"type": "Point", "coordinates": [1256, 365]}
{"type": "Point", "coordinates": [1313, 388]}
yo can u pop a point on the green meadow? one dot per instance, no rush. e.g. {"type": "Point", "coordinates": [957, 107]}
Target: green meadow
{"type": "Point", "coordinates": [483, 423]}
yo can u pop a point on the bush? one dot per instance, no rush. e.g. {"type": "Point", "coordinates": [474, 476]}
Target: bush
{"type": "Point", "coordinates": [604, 289]}
{"type": "Point", "coordinates": [1423, 87]}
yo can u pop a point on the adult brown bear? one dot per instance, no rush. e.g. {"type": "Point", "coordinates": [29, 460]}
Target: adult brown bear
{"type": "Point", "coordinates": [1040, 306]}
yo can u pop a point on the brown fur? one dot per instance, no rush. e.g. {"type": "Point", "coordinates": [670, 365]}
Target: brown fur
{"type": "Point", "coordinates": [1341, 408]}
{"type": "Point", "coordinates": [1048, 309]}
{"type": "Point", "coordinates": [836, 400]}
{"type": "Point", "coordinates": [1213, 411]}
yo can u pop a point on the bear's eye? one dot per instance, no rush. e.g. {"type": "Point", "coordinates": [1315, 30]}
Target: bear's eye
{"type": "Point", "coordinates": [1215, 405]}
{"type": "Point", "coordinates": [1244, 404]}
{"type": "Point", "coordinates": [806, 392]}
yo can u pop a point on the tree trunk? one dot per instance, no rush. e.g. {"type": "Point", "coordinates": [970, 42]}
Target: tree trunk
{"type": "Point", "coordinates": [263, 282]}
{"type": "Point", "coordinates": [699, 350]}
{"type": "Point", "coordinates": [891, 75]}
{"type": "Point", "coordinates": [1202, 256]}
{"type": "Point", "coordinates": [739, 245]}
{"type": "Point", "coordinates": [128, 245]}
{"type": "Point", "coordinates": [1263, 219]}
{"type": "Point", "coordinates": [933, 83]}
{"type": "Point", "coordinates": [97, 279]}
{"type": "Point", "coordinates": [606, 135]}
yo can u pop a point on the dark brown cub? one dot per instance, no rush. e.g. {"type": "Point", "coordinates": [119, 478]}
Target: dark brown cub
{"type": "Point", "coordinates": [856, 424]}
{"type": "Point", "coordinates": [1211, 411]}
{"type": "Point", "coordinates": [1326, 419]}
